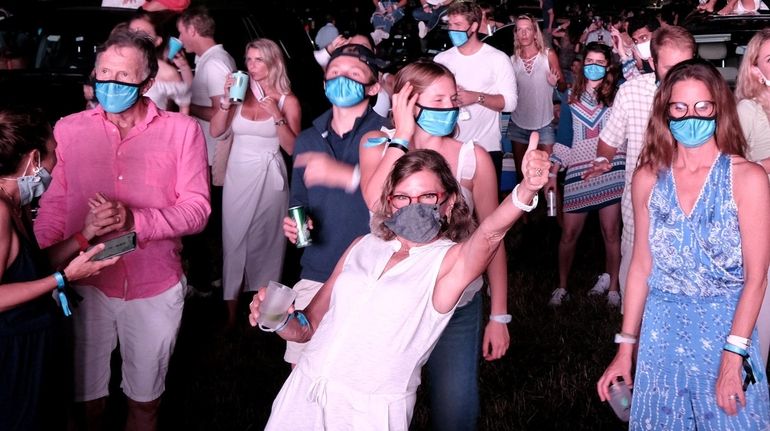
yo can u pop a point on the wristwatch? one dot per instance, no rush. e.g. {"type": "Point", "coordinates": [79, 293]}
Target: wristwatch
{"type": "Point", "coordinates": [480, 100]}
{"type": "Point", "coordinates": [280, 122]}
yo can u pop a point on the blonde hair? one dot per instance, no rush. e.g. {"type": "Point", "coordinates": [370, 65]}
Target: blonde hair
{"type": "Point", "coordinates": [748, 86]}
{"type": "Point", "coordinates": [276, 66]}
{"type": "Point", "coordinates": [538, 36]}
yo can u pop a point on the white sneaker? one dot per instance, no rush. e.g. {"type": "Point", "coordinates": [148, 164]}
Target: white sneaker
{"type": "Point", "coordinates": [601, 286]}
{"type": "Point", "coordinates": [613, 299]}
{"type": "Point", "coordinates": [422, 29]}
{"type": "Point", "coordinates": [558, 296]}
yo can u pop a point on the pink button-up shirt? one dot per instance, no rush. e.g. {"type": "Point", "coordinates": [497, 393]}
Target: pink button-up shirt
{"type": "Point", "coordinates": [159, 170]}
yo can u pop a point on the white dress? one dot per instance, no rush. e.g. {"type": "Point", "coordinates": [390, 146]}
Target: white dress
{"type": "Point", "coordinates": [361, 369]}
{"type": "Point", "coordinates": [254, 202]}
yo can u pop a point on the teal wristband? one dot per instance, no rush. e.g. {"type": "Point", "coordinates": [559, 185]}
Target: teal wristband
{"type": "Point", "coordinates": [60, 283]}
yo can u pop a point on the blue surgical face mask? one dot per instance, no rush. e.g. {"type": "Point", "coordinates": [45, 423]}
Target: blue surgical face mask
{"type": "Point", "coordinates": [115, 96]}
{"type": "Point", "coordinates": [33, 186]}
{"type": "Point", "coordinates": [437, 121]}
{"type": "Point", "coordinates": [458, 37]}
{"type": "Point", "coordinates": [344, 92]}
{"type": "Point", "coordinates": [594, 72]}
{"type": "Point", "coordinates": [692, 132]}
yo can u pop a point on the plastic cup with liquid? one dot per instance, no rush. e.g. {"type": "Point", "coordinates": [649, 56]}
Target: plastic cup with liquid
{"type": "Point", "coordinates": [274, 310]}
{"type": "Point", "coordinates": [174, 45]}
{"type": "Point", "coordinates": [240, 85]}
{"type": "Point", "coordinates": [620, 400]}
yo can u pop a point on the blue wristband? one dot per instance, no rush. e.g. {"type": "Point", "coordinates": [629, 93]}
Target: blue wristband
{"type": "Point", "coordinates": [735, 349]}
{"type": "Point", "coordinates": [301, 318]}
{"type": "Point", "coordinates": [60, 283]}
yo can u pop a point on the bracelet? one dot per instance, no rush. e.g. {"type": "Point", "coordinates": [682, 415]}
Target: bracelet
{"type": "Point", "coordinates": [61, 282]}
{"type": "Point", "coordinates": [301, 319]}
{"type": "Point", "coordinates": [399, 146]}
{"type": "Point", "coordinates": [355, 180]}
{"type": "Point", "coordinates": [283, 325]}
{"type": "Point", "coordinates": [280, 122]}
{"type": "Point", "coordinates": [732, 348]}
{"type": "Point", "coordinates": [480, 100]}
{"type": "Point", "coordinates": [81, 240]}
{"type": "Point", "coordinates": [500, 318]}
{"type": "Point", "coordinates": [739, 341]}
{"type": "Point", "coordinates": [551, 175]}
{"type": "Point", "coordinates": [601, 159]}
{"type": "Point", "coordinates": [400, 141]}
{"type": "Point", "coordinates": [224, 107]}
{"type": "Point", "coordinates": [521, 205]}
{"type": "Point", "coordinates": [622, 337]}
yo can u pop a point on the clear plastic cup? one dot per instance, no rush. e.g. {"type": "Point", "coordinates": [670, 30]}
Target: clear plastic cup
{"type": "Point", "coordinates": [174, 45]}
{"type": "Point", "coordinates": [620, 400]}
{"type": "Point", "coordinates": [273, 311]}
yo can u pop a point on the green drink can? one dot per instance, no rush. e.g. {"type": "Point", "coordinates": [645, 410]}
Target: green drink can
{"type": "Point", "coordinates": [303, 233]}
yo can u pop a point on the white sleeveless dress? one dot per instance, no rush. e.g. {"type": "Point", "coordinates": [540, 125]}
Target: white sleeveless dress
{"type": "Point", "coordinates": [361, 369]}
{"type": "Point", "coordinates": [255, 200]}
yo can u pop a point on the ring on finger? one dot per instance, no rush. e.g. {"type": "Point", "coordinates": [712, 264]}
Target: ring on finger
{"type": "Point", "coordinates": [117, 219]}
{"type": "Point", "coordinates": [732, 397]}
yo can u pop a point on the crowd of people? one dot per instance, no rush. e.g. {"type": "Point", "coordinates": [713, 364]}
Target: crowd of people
{"type": "Point", "coordinates": [400, 183]}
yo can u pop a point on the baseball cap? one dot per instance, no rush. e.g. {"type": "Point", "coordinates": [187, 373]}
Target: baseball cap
{"type": "Point", "coordinates": [362, 53]}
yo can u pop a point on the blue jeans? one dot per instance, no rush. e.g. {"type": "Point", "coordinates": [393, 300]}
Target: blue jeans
{"type": "Point", "coordinates": [385, 21]}
{"type": "Point", "coordinates": [453, 371]}
{"type": "Point", "coordinates": [430, 18]}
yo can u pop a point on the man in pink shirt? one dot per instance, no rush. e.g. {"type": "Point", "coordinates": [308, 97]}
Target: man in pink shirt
{"type": "Point", "coordinates": [146, 169]}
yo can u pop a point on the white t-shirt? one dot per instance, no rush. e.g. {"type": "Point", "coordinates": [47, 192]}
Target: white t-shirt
{"type": "Point", "coordinates": [489, 71]}
{"type": "Point", "coordinates": [211, 71]}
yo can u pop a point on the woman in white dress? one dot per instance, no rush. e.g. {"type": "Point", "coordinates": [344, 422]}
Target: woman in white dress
{"type": "Point", "coordinates": [373, 324]}
{"type": "Point", "coordinates": [256, 190]}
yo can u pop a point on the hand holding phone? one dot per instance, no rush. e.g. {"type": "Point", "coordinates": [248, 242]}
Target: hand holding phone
{"type": "Point", "coordinates": [117, 246]}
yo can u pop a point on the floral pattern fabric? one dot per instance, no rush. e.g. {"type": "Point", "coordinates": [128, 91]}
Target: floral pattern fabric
{"type": "Point", "coordinates": [694, 287]}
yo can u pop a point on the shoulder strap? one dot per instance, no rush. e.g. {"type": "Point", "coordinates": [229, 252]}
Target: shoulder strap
{"type": "Point", "coordinates": [466, 162]}
{"type": "Point", "coordinates": [280, 101]}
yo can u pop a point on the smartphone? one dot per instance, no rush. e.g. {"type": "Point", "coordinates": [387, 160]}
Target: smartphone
{"type": "Point", "coordinates": [117, 246]}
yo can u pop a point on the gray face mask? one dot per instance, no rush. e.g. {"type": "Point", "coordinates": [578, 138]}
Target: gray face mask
{"type": "Point", "coordinates": [417, 222]}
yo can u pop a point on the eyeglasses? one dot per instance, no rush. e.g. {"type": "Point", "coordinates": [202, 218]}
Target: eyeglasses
{"type": "Point", "coordinates": [400, 201]}
{"type": "Point", "coordinates": [704, 108]}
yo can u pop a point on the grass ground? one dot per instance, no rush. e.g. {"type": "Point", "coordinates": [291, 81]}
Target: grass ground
{"type": "Point", "coordinates": [221, 381]}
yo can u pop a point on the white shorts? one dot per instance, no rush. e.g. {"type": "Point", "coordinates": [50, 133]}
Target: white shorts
{"type": "Point", "coordinates": [306, 290]}
{"type": "Point", "coordinates": [147, 330]}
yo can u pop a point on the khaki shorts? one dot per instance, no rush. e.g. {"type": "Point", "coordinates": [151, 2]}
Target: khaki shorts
{"type": "Point", "coordinates": [147, 330]}
{"type": "Point", "coordinates": [306, 290]}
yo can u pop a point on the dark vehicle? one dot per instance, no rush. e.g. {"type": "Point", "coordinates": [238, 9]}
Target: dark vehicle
{"type": "Point", "coordinates": [46, 56]}
{"type": "Point", "coordinates": [722, 39]}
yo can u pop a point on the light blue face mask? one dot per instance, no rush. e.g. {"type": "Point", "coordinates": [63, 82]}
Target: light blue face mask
{"type": "Point", "coordinates": [692, 132]}
{"type": "Point", "coordinates": [344, 92]}
{"type": "Point", "coordinates": [115, 96]}
{"type": "Point", "coordinates": [458, 37]}
{"type": "Point", "coordinates": [33, 186]}
{"type": "Point", "coordinates": [437, 121]}
{"type": "Point", "coordinates": [594, 72]}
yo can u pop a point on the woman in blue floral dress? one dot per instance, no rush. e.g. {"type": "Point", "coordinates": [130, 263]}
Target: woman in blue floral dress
{"type": "Point", "coordinates": [698, 271]}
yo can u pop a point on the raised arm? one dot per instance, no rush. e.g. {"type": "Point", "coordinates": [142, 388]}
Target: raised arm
{"type": "Point", "coordinates": [467, 260]}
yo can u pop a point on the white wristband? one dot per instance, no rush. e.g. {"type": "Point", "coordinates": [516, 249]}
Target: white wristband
{"type": "Point", "coordinates": [355, 180]}
{"type": "Point", "coordinates": [739, 341]}
{"type": "Point", "coordinates": [521, 205]}
{"type": "Point", "coordinates": [500, 318]}
{"type": "Point", "coordinates": [620, 338]}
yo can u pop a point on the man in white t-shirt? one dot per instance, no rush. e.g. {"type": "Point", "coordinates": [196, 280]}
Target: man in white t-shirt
{"type": "Point", "coordinates": [485, 80]}
{"type": "Point", "coordinates": [212, 66]}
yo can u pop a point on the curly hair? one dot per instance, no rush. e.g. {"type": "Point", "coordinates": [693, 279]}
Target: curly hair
{"type": "Point", "coordinates": [456, 226]}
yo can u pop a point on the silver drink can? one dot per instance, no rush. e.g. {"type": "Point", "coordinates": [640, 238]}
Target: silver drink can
{"type": "Point", "coordinates": [303, 233]}
{"type": "Point", "coordinates": [551, 203]}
